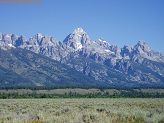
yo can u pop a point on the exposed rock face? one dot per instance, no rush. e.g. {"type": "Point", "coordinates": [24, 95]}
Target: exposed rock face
{"type": "Point", "coordinates": [20, 67]}
{"type": "Point", "coordinates": [77, 39]}
{"type": "Point", "coordinates": [137, 64]}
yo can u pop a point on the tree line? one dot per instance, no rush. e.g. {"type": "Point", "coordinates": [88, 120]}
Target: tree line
{"type": "Point", "coordinates": [122, 94]}
{"type": "Point", "coordinates": [81, 87]}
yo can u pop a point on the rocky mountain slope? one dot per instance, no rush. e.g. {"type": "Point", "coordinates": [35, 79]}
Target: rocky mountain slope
{"type": "Point", "coordinates": [97, 59]}
{"type": "Point", "coordinates": [20, 67]}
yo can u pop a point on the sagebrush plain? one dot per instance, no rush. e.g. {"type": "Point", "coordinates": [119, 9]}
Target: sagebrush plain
{"type": "Point", "coordinates": [95, 110]}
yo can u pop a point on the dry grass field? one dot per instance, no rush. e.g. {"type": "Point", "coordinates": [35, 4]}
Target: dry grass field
{"type": "Point", "coordinates": [120, 110]}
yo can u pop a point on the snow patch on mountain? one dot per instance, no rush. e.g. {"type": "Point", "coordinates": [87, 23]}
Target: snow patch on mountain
{"type": "Point", "coordinates": [10, 45]}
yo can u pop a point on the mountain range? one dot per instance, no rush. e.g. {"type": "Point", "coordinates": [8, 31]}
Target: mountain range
{"type": "Point", "coordinates": [42, 60]}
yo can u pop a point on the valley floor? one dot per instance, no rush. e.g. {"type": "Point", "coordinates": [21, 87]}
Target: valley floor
{"type": "Point", "coordinates": [95, 110]}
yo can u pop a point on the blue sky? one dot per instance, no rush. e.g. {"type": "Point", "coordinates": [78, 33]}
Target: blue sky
{"type": "Point", "coordinates": [120, 22]}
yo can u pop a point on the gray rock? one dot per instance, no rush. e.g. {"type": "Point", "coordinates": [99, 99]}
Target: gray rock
{"type": "Point", "coordinates": [126, 61]}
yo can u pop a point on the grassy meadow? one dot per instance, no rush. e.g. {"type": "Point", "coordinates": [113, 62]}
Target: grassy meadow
{"type": "Point", "coordinates": [94, 110]}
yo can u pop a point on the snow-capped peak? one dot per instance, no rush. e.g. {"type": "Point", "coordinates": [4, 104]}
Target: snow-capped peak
{"type": "Point", "coordinates": [77, 39]}
{"type": "Point", "coordinates": [79, 30]}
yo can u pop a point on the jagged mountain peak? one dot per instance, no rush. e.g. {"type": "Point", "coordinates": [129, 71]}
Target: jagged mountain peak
{"type": "Point", "coordinates": [79, 30]}
{"type": "Point", "coordinates": [141, 42]}
{"type": "Point", "coordinates": [103, 43]}
{"type": "Point", "coordinates": [142, 51]}
{"type": "Point", "coordinates": [142, 45]}
{"type": "Point", "coordinates": [7, 36]}
{"type": "Point", "coordinates": [37, 36]}
{"type": "Point", "coordinates": [77, 39]}
{"type": "Point", "coordinates": [102, 40]}
{"type": "Point", "coordinates": [23, 37]}
{"type": "Point", "coordinates": [94, 58]}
